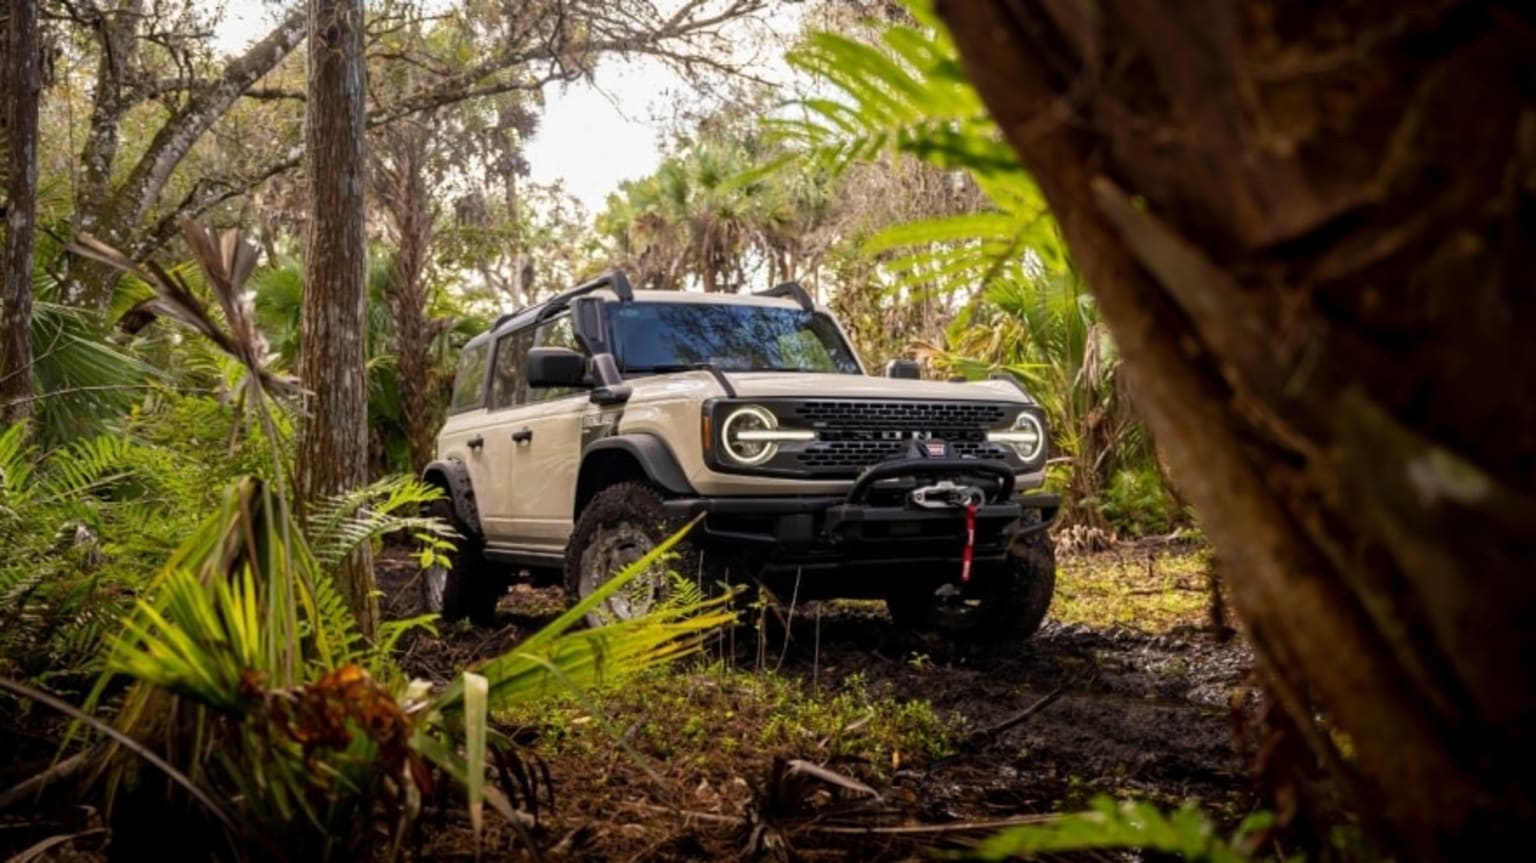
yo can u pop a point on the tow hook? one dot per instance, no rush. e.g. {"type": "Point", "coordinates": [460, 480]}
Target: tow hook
{"type": "Point", "coordinates": [947, 494]}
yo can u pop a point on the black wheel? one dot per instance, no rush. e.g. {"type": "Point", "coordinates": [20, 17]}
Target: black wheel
{"type": "Point", "coordinates": [620, 525]}
{"type": "Point", "coordinates": [468, 587]}
{"type": "Point", "coordinates": [1004, 602]}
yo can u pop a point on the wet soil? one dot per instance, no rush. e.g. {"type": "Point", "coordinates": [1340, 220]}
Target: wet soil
{"type": "Point", "coordinates": [1039, 727]}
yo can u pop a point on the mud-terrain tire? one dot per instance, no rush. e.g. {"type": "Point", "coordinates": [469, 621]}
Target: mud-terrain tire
{"type": "Point", "coordinates": [470, 586]}
{"type": "Point", "coordinates": [619, 525]}
{"type": "Point", "coordinates": [1007, 603]}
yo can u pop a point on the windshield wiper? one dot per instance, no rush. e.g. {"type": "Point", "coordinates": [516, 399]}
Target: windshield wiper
{"type": "Point", "coordinates": [665, 368]}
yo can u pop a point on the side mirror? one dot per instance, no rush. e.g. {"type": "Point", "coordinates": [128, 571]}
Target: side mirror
{"type": "Point", "coordinates": [908, 369]}
{"type": "Point", "coordinates": [556, 367]}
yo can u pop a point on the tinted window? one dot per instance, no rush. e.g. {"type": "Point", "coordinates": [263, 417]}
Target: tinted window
{"type": "Point", "coordinates": [557, 332]}
{"type": "Point", "coordinates": [508, 373]}
{"type": "Point", "coordinates": [469, 379]}
{"type": "Point", "coordinates": [650, 337]}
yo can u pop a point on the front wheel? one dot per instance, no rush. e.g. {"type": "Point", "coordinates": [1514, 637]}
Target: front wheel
{"type": "Point", "coordinates": [465, 585]}
{"type": "Point", "coordinates": [619, 526]}
{"type": "Point", "coordinates": [1005, 602]}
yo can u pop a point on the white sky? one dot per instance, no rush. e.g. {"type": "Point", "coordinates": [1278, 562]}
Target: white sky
{"type": "Point", "coordinates": [593, 136]}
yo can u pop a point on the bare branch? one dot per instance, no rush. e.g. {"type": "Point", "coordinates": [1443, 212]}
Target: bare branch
{"type": "Point", "coordinates": [274, 94]}
{"type": "Point", "coordinates": [137, 195]}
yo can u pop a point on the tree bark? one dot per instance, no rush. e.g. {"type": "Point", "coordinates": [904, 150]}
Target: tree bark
{"type": "Point", "coordinates": [402, 181]}
{"type": "Point", "coordinates": [333, 440]}
{"type": "Point", "coordinates": [23, 72]}
{"type": "Point", "coordinates": [1310, 231]}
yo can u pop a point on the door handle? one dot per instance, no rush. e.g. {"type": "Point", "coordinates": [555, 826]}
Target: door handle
{"type": "Point", "coordinates": [522, 435]}
{"type": "Point", "coordinates": [475, 442]}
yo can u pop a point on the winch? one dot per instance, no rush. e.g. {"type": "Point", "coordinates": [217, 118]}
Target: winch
{"type": "Point", "coordinates": [948, 494]}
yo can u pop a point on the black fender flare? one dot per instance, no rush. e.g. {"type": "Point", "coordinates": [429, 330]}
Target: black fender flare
{"type": "Point", "coordinates": [452, 476]}
{"type": "Point", "coordinates": [650, 452]}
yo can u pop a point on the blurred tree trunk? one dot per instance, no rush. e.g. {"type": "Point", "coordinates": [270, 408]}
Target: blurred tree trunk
{"type": "Point", "coordinates": [23, 85]}
{"type": "Point", "coordinates": [1310, 229]}
{"type": "Point", "coordinates": [400, 175]}
{"type": "Point", "coordinates": [333, 441]}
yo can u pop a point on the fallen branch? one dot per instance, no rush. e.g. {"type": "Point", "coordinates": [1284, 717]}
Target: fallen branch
{"type": "Point", "coordinates": [987, 734]}
{"type": "Point", "coordinates": [932, 829]}
{"type": "Point", "coordinates": [41, 782]}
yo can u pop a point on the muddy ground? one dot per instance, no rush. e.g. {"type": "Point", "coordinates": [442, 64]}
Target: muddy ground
{"type": "Point", "coordinates": [1033, 728]}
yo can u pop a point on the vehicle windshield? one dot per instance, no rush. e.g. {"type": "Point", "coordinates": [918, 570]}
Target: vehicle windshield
{"type": "Point", "coordinates": [664, 337]}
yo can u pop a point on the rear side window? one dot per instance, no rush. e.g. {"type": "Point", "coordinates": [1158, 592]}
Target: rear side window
{"type": "Point", "coordinates": [469, 380]}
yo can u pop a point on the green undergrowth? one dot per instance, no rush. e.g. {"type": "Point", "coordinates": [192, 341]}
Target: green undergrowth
{"type": "Point", "coordinates": [702, 715]}
{"type": "Point", "coordinates": [1149, 589]}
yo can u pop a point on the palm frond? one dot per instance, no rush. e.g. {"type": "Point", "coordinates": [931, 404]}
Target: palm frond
{"type": "Point", "coordinates": [309, 741]}
{"type": "Point", "coordinates": [559, 657]}
{"type": "Point", "coordinates": [225, 264]}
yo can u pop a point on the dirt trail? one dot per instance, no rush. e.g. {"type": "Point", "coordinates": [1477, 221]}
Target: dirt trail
{"type": "Point", "coordinates": [1130, 714]}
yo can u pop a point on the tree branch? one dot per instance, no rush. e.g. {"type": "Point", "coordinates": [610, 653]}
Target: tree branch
{"type": "Point", "coordinates": [544, 38]}
{"type": "Point", "coordinates": [148, 177]}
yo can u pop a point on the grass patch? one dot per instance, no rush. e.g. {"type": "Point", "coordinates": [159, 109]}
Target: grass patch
{"type": "Point", "coordinates": [1150, 589]}
{"type": "Point", "coordinates": [704, 716]}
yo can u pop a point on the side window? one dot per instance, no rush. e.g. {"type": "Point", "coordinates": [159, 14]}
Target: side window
{"type": "Point", "coordinates": [469, 379]}
{"type": "Point", "coordinates": [557, 332]}
{"type": "Point", "coordinates": [509, 372]}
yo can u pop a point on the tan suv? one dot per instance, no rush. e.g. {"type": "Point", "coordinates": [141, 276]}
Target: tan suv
{"type": "Point", "coordinates": [586, 428]}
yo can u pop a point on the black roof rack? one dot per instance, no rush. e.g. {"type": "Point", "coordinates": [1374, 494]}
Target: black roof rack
{"type": "Point", "coordinates": [613, 279]}
{"type": "Point", "coordinates": [793, 291]}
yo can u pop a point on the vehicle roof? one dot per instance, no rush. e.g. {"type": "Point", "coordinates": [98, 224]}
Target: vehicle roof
{"type": "Point", "coordinates": [526, 315]}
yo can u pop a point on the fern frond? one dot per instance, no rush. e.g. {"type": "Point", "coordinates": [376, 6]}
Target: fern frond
{"type": "Point", "coordinates": [15, 463]}
{"type": "Point", "coordinates": [339, 525]}
{"type": "Point", "coordinates": [1186, 832]}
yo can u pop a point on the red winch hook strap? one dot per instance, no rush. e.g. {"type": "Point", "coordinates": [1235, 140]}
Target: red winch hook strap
{"type": "Point", "coordinates": [970, 543]}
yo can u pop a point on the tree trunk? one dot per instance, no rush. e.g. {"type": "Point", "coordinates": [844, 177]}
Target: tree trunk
{"type": "Point", "coordinates": [403, 184]}
{"type": "Point", "coordinates": [333, 442]}
{"type": "Point", "coordinates": [24, 83]}
{"type": "Point", "coordinates": [1310, 229]}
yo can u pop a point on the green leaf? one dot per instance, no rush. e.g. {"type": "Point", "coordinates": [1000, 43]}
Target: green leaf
{"type": "Point", "coordinates": [476, 718]}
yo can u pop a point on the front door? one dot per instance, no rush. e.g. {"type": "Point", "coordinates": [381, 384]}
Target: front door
{"type": "Point", "coordinates": [506, 399]}
{"type": "Point", "coordinates": [546, 456]}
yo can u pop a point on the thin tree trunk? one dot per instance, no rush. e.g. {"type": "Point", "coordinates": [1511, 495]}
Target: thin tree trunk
{"type": "Point", "coordinates": [404, 183]}
{"type": "Point", "coordinates": [1311, 233]}
{"type": "Point", "coordinates": [333, 442]}
{"type": "Point", "coordinates": [23, 87]}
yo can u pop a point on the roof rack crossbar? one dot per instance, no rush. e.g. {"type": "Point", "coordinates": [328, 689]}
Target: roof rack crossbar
{"type": "Point", "coordinates": [794, 291]}
{"type": "Point", "coordinates": [613, 279]}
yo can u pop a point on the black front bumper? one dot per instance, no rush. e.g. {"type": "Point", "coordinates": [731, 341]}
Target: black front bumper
{"type": "Point", "coordinates": [874, 525]}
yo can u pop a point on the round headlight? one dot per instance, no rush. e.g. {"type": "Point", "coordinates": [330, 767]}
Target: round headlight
{"type": "Point", "coordinates": [1027, 437]}
{"type": "Point", "coordinates": [742, 435]}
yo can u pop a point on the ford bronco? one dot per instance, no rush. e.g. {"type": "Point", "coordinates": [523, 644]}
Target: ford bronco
{"type": "Point", "coordinates": [585, 429]}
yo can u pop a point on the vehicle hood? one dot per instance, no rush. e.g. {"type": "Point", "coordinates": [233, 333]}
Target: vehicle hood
{"type": "Point", "coordinates": [811, 385]}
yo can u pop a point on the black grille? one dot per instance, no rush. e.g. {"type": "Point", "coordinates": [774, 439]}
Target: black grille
{"type": "Point", "coordinates": [854, 434]}
{"type": "Point", "coordinates": [904, 416]}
